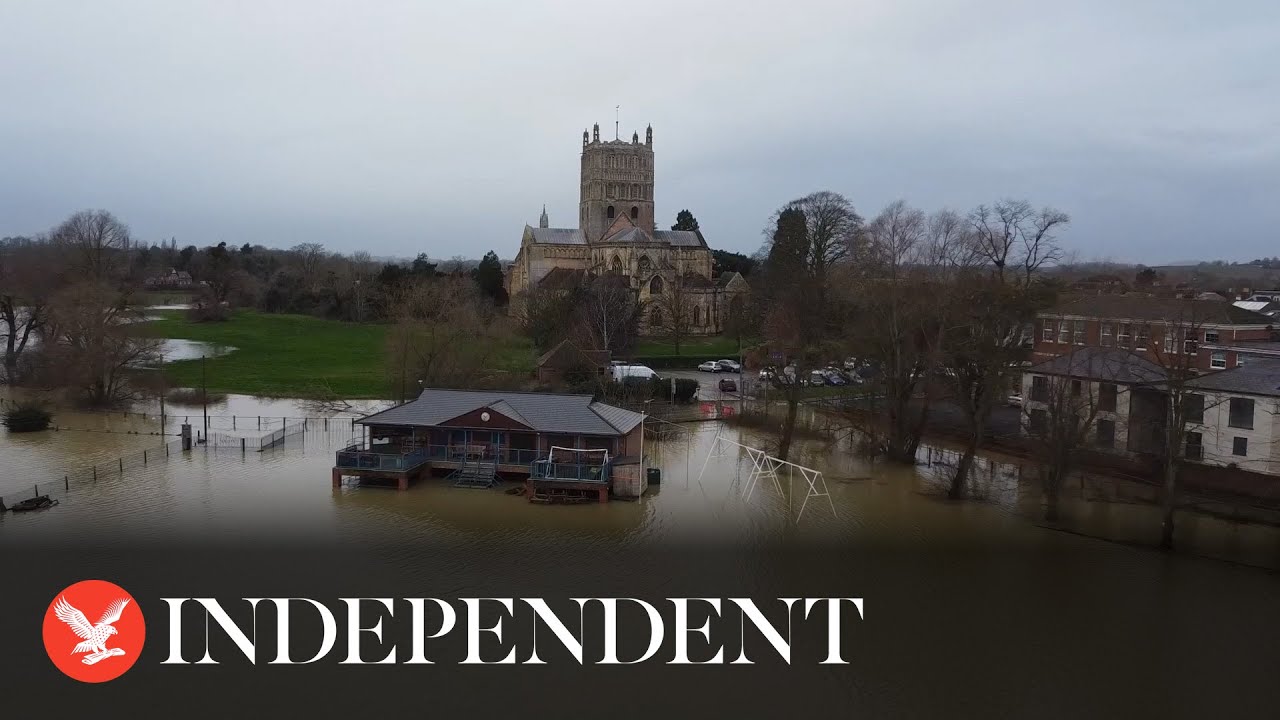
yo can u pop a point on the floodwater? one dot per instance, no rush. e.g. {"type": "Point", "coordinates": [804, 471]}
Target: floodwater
{"type": "Point", "coordinates": [1027, 596]}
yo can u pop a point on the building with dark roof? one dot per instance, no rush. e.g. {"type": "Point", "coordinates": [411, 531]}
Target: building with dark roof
{"type": "Point", "coordinates": [563, 444]}
{"type": "Point", "coordinates": [1239, 417]}
{"type": "Point", "coordinates": [1215, 333]}
{"type": "Point", "coordinates": [617, 234]}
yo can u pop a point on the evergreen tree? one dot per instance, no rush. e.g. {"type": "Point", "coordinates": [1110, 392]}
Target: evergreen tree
{"type": "Point", "coordinates": [488, 275]}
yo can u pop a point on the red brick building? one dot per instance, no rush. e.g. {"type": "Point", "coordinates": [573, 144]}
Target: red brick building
{"type": "Point", "coordinates": [1219, 334]}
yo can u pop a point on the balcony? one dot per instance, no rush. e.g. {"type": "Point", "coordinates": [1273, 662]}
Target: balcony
{"type": "Point", "coordinates": [394, 458]}
{"type": "Point", "coordinates": [571, 472]}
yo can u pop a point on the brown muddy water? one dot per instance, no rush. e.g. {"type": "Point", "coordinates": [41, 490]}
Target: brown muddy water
{"type": "Point", "coordinates": [973, 608]}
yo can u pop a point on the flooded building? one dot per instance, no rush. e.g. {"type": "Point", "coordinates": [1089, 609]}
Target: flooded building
{"type": "Point", "coordinates": [565, 447]}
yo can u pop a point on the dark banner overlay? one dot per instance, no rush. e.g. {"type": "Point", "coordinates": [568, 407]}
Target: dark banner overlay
{"type": "Point", "coordinates": [956, 632]}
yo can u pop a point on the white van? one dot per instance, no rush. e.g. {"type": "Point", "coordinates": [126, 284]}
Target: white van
{"type": "Point", "coordinates": [622, 372]}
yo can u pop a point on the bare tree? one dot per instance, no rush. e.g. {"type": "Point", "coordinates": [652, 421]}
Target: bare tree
{"type": "Point", "coordinates": [671, 310]}
{"type": "Point", "coordinates": [446, 335]}
{"type": "Point", "coordinates": [608, 315]}
{"type": "Point", "coordinates": [90, 344]}
{"type": "Point", "coordinates": [310, 257]}
{"type": "Point", "coordinates": [28, 278]}
{"type": "Point", "coordinates": [1061, 415]}
{"type": "Point", "coordinates": [1014, 237]}
{"type": "Point", "coordinates": [95, 242]}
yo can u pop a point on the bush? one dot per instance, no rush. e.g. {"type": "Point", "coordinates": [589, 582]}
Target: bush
{"type": "Point", "coordinates": [27, 417]}
{"type": "Point", "coordinates": [638, 390]}
{"type": "Point", "coordinates": [680, 362]}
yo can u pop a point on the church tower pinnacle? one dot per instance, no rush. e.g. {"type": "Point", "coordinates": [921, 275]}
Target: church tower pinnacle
{"type": "Point", "coordinates": [542, 221]}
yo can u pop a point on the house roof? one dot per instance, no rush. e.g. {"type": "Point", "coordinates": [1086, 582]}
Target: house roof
{"type": "Point", "coordinates": [1146, 307]}
{"type": "Point", "coordinates": [544, 412]}
{"type": "Point", "coordinates": [1257, 306]}
{"type": "Point", "coordinates": [1256, 377]}
{"type": "Point", "coordinates": [724, 279]}
{"type": "Point", "coordinates": [1102, 363]}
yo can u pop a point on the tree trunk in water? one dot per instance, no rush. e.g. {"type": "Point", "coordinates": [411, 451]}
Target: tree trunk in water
{"type": "Point", "coordinates": [1053, 483]}
{"type": "Point", "coordinates": [788, 427]}
{"type": "Point", "coordinates": [962, 469]}
{"type": "Point", "coordinates": [1168, 504]}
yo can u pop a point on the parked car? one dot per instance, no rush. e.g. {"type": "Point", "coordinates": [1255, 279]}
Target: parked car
{"type": "Point", "coordinates": [729, 366]}
{"type": "Point", "coordinates": [768, 372]}
{"type": "Point", "coordinates": [1015, 400]}
{"type": "Point", "coordinates": [709, 366]}
{"type": "Point", "coordinates": [728, 385]}
{"type": "Point", "coordinates": [834, 377]}
{"type": "Point", "coordinates": [817, 377]}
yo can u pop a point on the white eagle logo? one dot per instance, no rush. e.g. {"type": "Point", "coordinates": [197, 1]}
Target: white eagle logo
{"type": "Point", "coordinates": [95, 636]}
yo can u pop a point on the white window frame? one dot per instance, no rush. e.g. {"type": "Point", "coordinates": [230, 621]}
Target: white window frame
{"type": "Point", "coordinates": [1064, 332]}
{"type": "Point", "coordinates": [1214, 333]}
{"type": "Point", "coordinates": [1218, 360]}
{"type": "Point", "coordinates": [1047, 332]}
{"type": "Point", "coordinates": [1078, 332]}
{"type": "Point", "coordinates": [1142, 337]}
{"type": "Point", "coordinates": [1107, 334]}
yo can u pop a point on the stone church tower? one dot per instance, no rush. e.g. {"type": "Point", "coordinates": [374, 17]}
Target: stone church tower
{"type": "Point", "coordinates": [617, 179]}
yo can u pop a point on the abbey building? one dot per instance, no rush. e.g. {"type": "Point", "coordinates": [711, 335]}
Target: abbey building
{"type": "Point", "coordinates": [617, 233]}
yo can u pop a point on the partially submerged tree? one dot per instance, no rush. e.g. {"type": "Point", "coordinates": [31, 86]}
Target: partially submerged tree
{"type": "Point", "coordinates": [28, 277]}
{"type": "Point", "coordinates": [1062, 413]}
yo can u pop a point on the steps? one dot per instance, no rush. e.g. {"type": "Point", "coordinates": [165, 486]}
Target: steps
{"type": "Point", "coordinates": [475, 474]}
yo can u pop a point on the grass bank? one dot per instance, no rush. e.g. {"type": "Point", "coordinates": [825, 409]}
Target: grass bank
{"type": "Point", "coordinates": [722, 345]}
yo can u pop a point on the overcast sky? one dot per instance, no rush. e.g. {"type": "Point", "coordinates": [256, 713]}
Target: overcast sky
{"type": "Point", "coordinates": [407, 127]}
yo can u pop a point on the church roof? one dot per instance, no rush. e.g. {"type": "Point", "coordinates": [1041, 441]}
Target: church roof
{"type": "Point", "coordinates": [558, 236]}
{"type": "Point", "coordinates": [562, 278]}
{"type": "Point", "coordinates": [726, 278]}
{"type": "Point", "coordinates": [679, 238]}
{"type": "Point", "coordinates": [697, 281]}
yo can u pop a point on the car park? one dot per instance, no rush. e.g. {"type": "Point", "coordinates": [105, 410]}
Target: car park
{"type": "Point", "coordinates": [709, 366]}
{"type": "Point", "coordinates": [728, 385]}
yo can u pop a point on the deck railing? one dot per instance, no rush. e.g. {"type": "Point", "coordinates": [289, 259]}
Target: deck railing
{"type": "Point", "coordinates": [358, 456]}
{"type": "Point", "coordinates": [547, 470]}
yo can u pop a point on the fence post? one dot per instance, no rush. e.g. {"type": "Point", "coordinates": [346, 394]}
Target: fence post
{"type": "Point", "coordinates": [144, 457]}
{"type": "Point", "coordinates": [233, 422]}
{"type": "Point", "coordinates": [37, 487]}
{"type": "Point", "coordinates": [326, 423]}
{"type": "Point", "coordinates": [241, 446]}
{"type": "Point", "coordinates": [259, 422]}
{"type": "Point", "coordinates": [121, 460]}
{"type": "Point", "coordinates": [66, 482]}
{"type": "Point", "coordinates": [95, 473]}
{"type": "Point", "coordinates": [304, 423]}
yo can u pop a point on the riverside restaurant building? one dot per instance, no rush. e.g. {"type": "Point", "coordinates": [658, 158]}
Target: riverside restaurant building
{"type": "Point", "coordinates": [566, 448]}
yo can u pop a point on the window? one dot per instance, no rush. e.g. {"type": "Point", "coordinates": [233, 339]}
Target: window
{"type": "Point", "coordinates": [1193, 409]}
{"type": "Point", "coordinates": [1195, 446]}
{"type": "Point", "coordinates": [1039, 421]}
{"type": "Point", "coordinates": [655, 285]}
{"type": "Point", "coordinates": [1190, 346]}
{"type": "Point", "coordinates": [1107, 396]}
{"type": "Point", "coordinates": [1241, 415]}
{"type": "Point", "coordinates": [1078, 335]}
{"type": "Point", "coordinates": [1240, 446]}
{"type": "Point", "coordinates": [1040, 388]}
{"type": "Point", "coordinates": [645, 267]}
{"type": "Point", "coordinates": [609, 213]}
{"type": "Point", "coordinates": [635, 212]}
{"type": "Point", "coordinates": [1064, 331]}
{"type": "Point", "coordinates": [1075, 388]}
{"type": "Point", "coordinates": [1239, 360]}
{"type": "Point", "coordinates": [1218, 360]}
{"type": "Point", "coordinates": [697, 316]}
{"type": "Point", "coordinates": [1106, 433]}
{"type": "Point", "coordinates": [616, 266]}
{"type": "Point", "coordinates": [1122, 337]}
{"type": "Point", "coordinates": [1211, 336]}
{"type": "Point", "coordinates": [1108, 335]}
{"type": "Point", "coordinates": [1144, 336]}
{"type": "Point", "coordinates": [1046, 330]}
{"type": "Point", "coordinates": [655, 317]}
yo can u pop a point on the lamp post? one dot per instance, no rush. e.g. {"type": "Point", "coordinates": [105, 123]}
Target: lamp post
{"type": "Point", "coordinates": [204, 395]}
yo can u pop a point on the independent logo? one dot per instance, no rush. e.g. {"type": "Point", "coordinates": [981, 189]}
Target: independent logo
{"type": "Point", "coordinates": [94, 631]}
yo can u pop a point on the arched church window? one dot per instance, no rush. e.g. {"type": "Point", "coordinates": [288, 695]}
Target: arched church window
{"type": "Point", "coordinates": [697, 316]}
{"type": "Point", "coordinates": [645, 267]}
{"type": "Point", "coordinates": [609, 213]}
{"type": "Point", "coordinates": [616, 267]}
{"type": "Point", "coordinates": [655, 317]}
{"type": "Point", "coordinates": [655, 285]}
{"type": "Point", "coordinates": [635, 212]}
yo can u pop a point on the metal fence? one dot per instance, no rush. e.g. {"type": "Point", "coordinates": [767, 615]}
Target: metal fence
{"type": "Point", "coordinates": [56, 488]}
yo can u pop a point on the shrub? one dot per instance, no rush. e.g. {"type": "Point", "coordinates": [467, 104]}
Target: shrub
{"type": "Point", "coordinates": [27, 417]}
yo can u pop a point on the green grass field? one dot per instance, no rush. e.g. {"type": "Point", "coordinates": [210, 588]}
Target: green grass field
{"type": "Point", "coordinates": [297, 355]}
{"type": "Point", "coordinates": [282, 355]}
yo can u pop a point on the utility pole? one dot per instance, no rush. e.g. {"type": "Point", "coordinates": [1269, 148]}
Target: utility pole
{"type": "Point", "coordinates": [204, 395]}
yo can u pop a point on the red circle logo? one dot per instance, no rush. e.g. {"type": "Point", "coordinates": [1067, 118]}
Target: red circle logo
{"type": "Point", "coordinates": [93, 631]}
